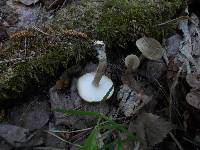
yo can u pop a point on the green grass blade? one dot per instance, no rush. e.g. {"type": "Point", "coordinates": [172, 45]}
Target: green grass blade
{"type": "Point", "coordinates": [108, 93]}
{"type": "Point", "coordinates": [113, 125]}
{"type": "Point", "coordinates": [90, 142]}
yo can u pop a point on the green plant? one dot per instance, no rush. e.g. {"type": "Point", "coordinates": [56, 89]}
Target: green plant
{"type": "Point", "coordinates": [104, 124]}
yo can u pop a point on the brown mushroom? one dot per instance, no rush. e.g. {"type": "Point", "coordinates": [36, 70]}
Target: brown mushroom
{"type": "Point", "coordinates": [132, 62]}
{"type": "Point", "coordinates": [150, 48]}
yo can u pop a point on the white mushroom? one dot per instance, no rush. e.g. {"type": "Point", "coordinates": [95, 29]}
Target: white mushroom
{"type": "Point", "coordinates": [93, 87]}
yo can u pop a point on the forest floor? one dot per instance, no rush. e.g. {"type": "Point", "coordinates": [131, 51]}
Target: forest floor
{"type": "Point", "coordinates": [153, 106]}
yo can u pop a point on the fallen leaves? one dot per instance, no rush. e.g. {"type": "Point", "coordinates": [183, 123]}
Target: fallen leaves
{"type": "Point", "coordinates": [150, 128]}
{"type": "Point", "coordinates": [193, 98]}
{"type": "Point", "coordinates": [193, 80]}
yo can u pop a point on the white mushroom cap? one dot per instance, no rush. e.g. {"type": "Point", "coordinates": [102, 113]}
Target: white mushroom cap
{"type": "Point", "coordinates": [132, 61]}
{"type": "Point", "coordinates": [91, 93]}
{"type": "Point", "coordinates": [150, 48]}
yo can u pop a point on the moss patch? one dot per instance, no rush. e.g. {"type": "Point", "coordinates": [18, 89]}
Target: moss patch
{"type": "Point", "coordinates": [124, 21]}
{"type": "Point", "coordinates": [45, 52]}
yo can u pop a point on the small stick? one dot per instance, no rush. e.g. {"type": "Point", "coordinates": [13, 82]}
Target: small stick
{"type": "Point", "coordinates": [169, 21]}
{"type": "Point", "coordinates": [63, 139]}
{"type": "Point", "coordinates": [75, 131]}
{"type": "Point", "coordinates": [176, 141]}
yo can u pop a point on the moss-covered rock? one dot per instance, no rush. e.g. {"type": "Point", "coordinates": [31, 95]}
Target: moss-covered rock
{"type": "Point", "coordinates": [36, 57]}
{"type": "Point", "coordinates": [123, 21]}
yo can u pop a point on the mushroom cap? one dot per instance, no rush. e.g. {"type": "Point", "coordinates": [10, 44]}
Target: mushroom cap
{"type": "Point", "coordinates": [91, 93]}
{"type": "Point", "coordinates": [150, 48]}
{"type": "Point", "coordinates": [132, 61]}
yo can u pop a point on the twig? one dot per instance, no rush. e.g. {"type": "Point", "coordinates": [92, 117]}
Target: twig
{"type": "Point", "coordinates": [190, 141]}
{"type": "Point", "coordinates": [172, 90]}
{"type": "Point", "coordinates": [179, 18]}
{"type": "Point", "coordinates": [63, 4]}
{"type": "Point", "coordinates": [47, 148]}
{"type": "Point", "coordinates": [38, 29]}
{"type": "Point", "coordinates": [55, 1]}
{"type": "Point", "coordinates": [75, 131]}
{"type": "Point", "coordinates": [62, 139]}
{"type": "Point", "coordinates": [5, 61]}
{"type": "Point", "coordinates": [176, 141]}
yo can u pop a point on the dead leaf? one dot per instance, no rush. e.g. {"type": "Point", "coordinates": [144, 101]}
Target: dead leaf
{"type": "Point", "coordinates": [193, 98]}
{"type": "Point", "coordinates": [193, 80]}
{"type": "Point", "coordinates": [150, 128]}
{"type": "Point", "coordinates": [19, 137]}
{"type": "Point", "coordinates": [195, 34]}
{"type": "Point", "coordinates": [172, 45]}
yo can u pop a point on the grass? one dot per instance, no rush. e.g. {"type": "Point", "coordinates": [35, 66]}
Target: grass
{"type": "Point", "coordinates": [108, 124]}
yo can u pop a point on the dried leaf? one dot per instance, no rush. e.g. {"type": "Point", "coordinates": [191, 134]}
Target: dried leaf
{"type": "Point", "coordinates": [195, 34]}
{"type": "Point", "coordinates": [172, 45]}
{"type": "Point", "coordinates": [193, 80]}
{"type": "Point", "coordinates": [150, 128]}
{"type": "Point", "coordinates": [193, 98]}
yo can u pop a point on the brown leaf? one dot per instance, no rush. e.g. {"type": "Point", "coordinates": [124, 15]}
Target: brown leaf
{"type": "Point", "coordinates": [193, 80]}
{"type": "Point", "coordinates": [150, 128]}
{"type": "Point", "coordinates": [193, 98]}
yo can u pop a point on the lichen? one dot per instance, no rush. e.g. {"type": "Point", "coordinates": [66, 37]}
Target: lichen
{"type": "Point", "coordinates": [123, 21]}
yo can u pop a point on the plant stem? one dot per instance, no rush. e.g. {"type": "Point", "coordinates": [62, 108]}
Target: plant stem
{"type": "Point", "coordinates": [99, 73]}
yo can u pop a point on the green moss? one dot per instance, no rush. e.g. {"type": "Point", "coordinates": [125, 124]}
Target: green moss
{"type": "Point", "coordinates": [42, 71]}
{"type": "Point", "coordinates": [124, 21]}
{"type": "Point", "coordinates": [54, 52]}
{"type": "Point", "coordinates": [82, 16]}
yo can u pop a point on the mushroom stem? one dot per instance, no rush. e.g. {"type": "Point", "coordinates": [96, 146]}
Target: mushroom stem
{"type": "Point", "coordinates": [100, 72]}
{"type": "Point", "coordinates": [141, 58]}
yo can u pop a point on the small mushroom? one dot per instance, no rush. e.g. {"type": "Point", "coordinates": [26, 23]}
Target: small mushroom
{"type": "Point", "coordinates": [93, 87]}
{"type": "Point", "coordinates": [150, 48]}
{"type": "Point", "coordinates": [132, 62]}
